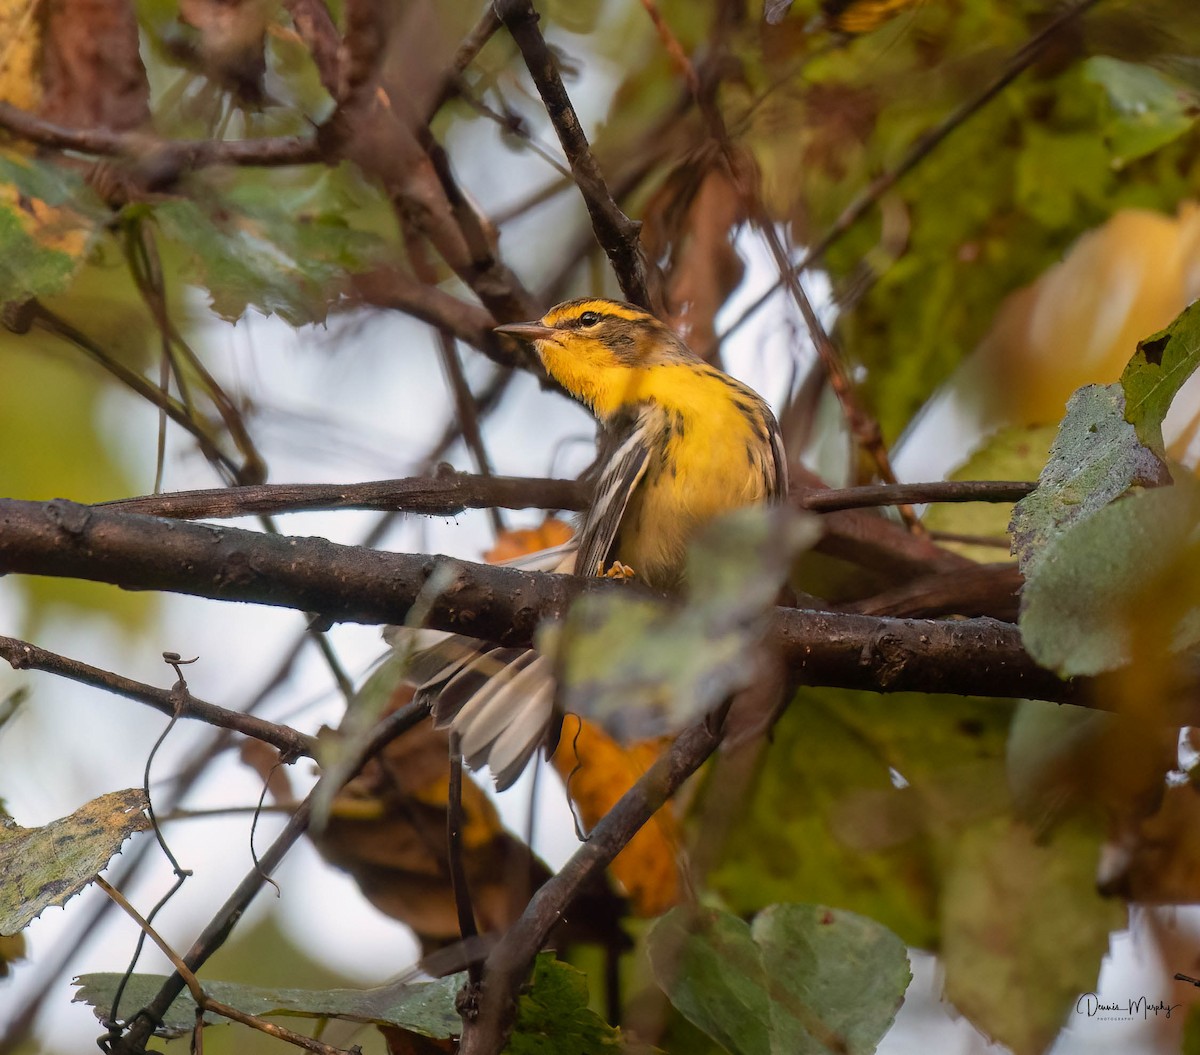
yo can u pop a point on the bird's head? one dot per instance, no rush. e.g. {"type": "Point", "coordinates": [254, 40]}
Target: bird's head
{"type": "Point", "coordinates": [596, 349]}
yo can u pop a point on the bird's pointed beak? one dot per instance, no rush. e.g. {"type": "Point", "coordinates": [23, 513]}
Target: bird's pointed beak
{"type": "Point", "coordinates": [527, 331]}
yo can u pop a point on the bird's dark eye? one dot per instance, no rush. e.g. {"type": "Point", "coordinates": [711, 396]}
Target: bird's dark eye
{"type": "Point", "coordinates": [589, 318]}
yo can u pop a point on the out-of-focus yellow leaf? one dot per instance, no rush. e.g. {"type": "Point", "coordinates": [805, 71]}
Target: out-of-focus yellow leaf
{"type": "Point", "coordinates": [598, 771]}
{"type": "Point", "coordinates": [1081, 321]}
{"type": "Point", "coordinates": [521, 542]}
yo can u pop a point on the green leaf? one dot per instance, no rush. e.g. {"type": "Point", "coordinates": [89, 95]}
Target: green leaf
{"type": "Point", "coordinates": [642, 666]}
{"type": "Point", "coordinates": [1148, 109]}
{"type": "Point", "coordinates": [1057, 171]}
{"type": "Point", "coordinates": [426, 1008]}
{"type": "Point", "coordinates": [51, 864]}
{"type": "Point", "coordinates": [284, 252]}
{"type": "Point", "coordinates": [1092, 591]}
{"type": "Point", "coordinates": [28, 268]}
{"type": "Point", "coordinates": [47, 219]}
{"type": "Point", "coordinates": [801, 980]}
{"type": "Point", "coordinates": [1096, 457]}
{"type": "Point", "coordinates": [1024, 930]}
{"type": "Point", "coordinates": [707, 964]}
{"type": "Point", "coordinates": [1015, 453]}
{"type": "Point", "coordinates": [854, 797]}
{"type": "Point", "coordinates": [1156, 373]}
{"type": "Point", "coordinates": [553, 1015]}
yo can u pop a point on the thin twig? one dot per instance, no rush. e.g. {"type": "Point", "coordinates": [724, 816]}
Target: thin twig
{"type": "Point", "coordinates": [316, 28]}
{"type": "Point", "coordinates": [219, 928]}
{"type": "Point", "coordinates": [864, 426]}
{"type": "Point", "coordinates": [272, 1029]}
{"type": "Point", "coordinates": [203, 1001]}
{"type": "Point", "coordinates": [616, 232]}
{"type": "Point", "coordinates": [464, 406]}
{"type": "Point", "coordinates": [467, 927]}
{"type": "Point", "coordinates": [469, 47]}
{"type": "Point", "coordinates": [1021, 60]}
{"type": "Point", "coordinates": [189, 979]}
{"type": "Point", "coordinates": [166, 157]}
{"type": "Point", "coordinates": [449, 492]}
{"type": "Point", "coordinates": [21, 655]}
{"type": "Point", "coordinates": [1000, 491]}
{"type": "Point", "coordinates": [485, 402]}
{"type": "Point", "coordinates": [173, 408]}
{"type": "Point", "coordinates": [389, 287]}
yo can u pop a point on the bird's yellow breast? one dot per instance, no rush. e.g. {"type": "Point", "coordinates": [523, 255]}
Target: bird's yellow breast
{"type": "Point", "coordinates": [711, 455]}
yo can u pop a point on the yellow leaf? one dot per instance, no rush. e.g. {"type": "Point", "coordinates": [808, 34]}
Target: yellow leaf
{"type": "Point", "coordinates": [598, 771]}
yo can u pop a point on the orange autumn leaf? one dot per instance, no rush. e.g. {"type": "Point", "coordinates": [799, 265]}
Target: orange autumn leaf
{"type": "Point", "coordinates": [598, 771]}
{"type": "Point", "coordinates": [512, 544]}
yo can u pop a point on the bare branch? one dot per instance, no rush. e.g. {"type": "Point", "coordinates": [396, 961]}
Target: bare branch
{"type": "Point", "coordinates": [21, 655]}
{"type": "Point", "coordinates": [447, 493]}
{"type": "Point", "coordinates": [824, 500]}
{"type": "Point", "coordinates": [616, 232]}
{"type": "Point", "coordinates": [165, 158]}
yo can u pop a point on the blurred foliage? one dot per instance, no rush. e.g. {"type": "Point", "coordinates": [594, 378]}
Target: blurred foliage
{"type": "Point", "coordinates": [800, 978]}
{"type": "Point", "coordinates": [857, 800]}
{"type": "Point", "coordinates": [993, 206]}
{"type": "Point", "coordinates": [704, 649]}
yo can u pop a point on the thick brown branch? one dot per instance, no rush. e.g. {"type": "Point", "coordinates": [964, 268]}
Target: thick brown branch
{"type": "Point", "coordinates": [616, 232]}
{"type": "Point", "coordinates": [349, 584]}
{"type": "Point", "coordinates": [445, 494]}
{"type": "Point", "coordinates": [21, 655]}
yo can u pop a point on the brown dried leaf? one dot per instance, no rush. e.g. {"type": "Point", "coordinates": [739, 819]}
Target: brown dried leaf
{"type": "Point", "coordinates": [387, 828]}
{"type": "Point", "coordinates": [92, 72]}
{"type": "Point", "coordinates": [691, 221]}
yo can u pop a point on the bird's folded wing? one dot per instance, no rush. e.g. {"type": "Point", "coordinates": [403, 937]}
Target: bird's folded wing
{"type": "Point", "coordinates": [622, 472]}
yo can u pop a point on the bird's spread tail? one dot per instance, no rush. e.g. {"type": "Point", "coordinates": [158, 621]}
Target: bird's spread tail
{"type": "Point", "coordinates": [500, 701]}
